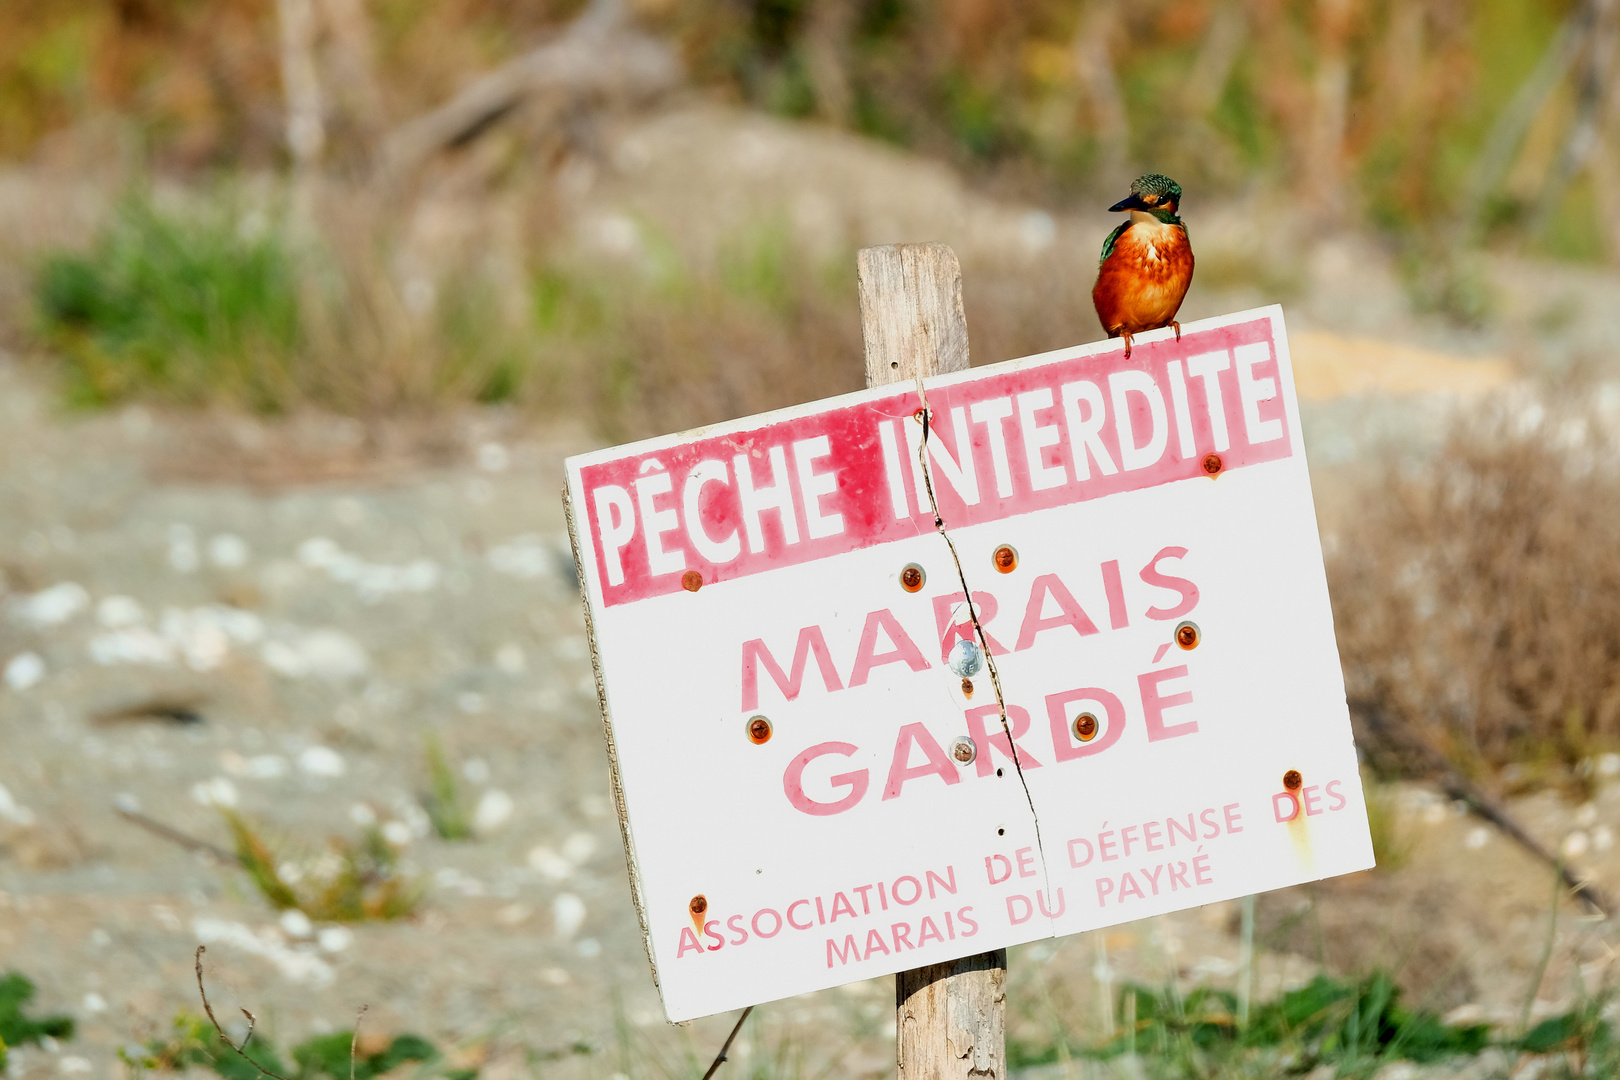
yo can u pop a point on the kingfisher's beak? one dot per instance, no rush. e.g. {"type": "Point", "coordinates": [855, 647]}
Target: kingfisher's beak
{"type": "Point", "coordinates": [1132, 201]}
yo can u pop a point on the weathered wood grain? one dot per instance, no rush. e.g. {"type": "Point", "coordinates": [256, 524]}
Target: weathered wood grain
{"type": "Point", "coordinates": [950, 1021]}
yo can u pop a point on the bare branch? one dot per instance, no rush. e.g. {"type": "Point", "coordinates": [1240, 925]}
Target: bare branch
{"type": "Point", "coordinates": [190, 843]}
{"type": "Point", "coordinates": [720, 1058]}
{"type": "Point", "coordinates": [224, 1038]}
{"type": "Point", "coordinates": [354, 1043]}
{"type": "Point", "coordinates": [595, 55]}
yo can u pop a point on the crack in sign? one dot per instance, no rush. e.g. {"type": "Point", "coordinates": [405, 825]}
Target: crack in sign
{"type": "Point", "coordinates": [978, 629]}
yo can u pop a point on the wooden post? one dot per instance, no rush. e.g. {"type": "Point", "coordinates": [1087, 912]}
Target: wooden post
{"type": "Point", "coordinates": [950, 1019]}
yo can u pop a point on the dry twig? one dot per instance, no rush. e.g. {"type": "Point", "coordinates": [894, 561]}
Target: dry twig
{"type": "Point", "coordinates": [253, 1022]}
{"type": "Point", "coordinates": [167, 832]}
{"type": "Point", "coordinates": [719, 1059]}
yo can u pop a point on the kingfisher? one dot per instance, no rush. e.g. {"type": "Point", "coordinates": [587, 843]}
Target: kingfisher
{"type": "Point", "coordinates": [1146, 263]}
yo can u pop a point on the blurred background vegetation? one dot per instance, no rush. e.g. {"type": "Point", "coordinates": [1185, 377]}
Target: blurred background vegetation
{"type": "Point", "coordinates": [291, 137]}
{"type": "Point", "coordinates": [1489, 116]}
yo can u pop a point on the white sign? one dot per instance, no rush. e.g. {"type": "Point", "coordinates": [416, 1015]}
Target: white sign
{"type": "Point", "coordinates": [817, 780]}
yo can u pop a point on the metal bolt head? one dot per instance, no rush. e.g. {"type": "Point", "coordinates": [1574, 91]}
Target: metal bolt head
{"type": "Point", "coordinates": [759, 730]}
{"type": "Point", "coordinates": [1292, 780]}
{"type": "Point", "coordinates": [965, 658]}
{"type": "Point", "coordinates": [691, 581]}
{"type": "Point", "coordinates": [964, 750]}
{"type": "Point", "coordinates": [1005, 559]}
{"type": "Point", "coordinates": [1187, 635]}
{"type": "Point", "coordinates": [699, 904]}
{"type": "Point", "coordinates": [1085, 727]}
{"type": "Point", "coordinates": [912, 578]}
{"type": "Point", "coordinates": [1212, 464]}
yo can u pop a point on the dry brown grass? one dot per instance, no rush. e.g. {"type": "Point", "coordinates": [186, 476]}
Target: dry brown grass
{"type": "Point", "coordinates": [1477, 597]}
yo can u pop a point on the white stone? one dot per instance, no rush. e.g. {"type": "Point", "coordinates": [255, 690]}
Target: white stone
{"type": "Point", "coordinates": [579, 847]}
{"type": "Point", "coordinates": [1477, 838]}
{"type": "Point", "coordinates": [132, 645]}
{"type": "Point", "coordinates": [264, 767]}
{"type": "Point", "coordinates": [1602, 838]}
{"type": "Point", "coordinates": [297, 965]}
{"type": "Point", "coordinates": [322, 761]}
{"type": "Point", "coordinates": [94, 1003]}
{"type": "Point", "coordinates": [319, 553]}
{"type": "Point", "coordinates": [1575, 844]}
{"type": "Point", "coordinates": [296, 924]}
{"type": "Point", "coordinates": [362, 815]}
{"type": "Point", "coordinates": [24, 671]}
{"type": "Point", "coordinates": [335, 938]}
{"type": "Point", "coordinates": [13, 811]}
{"type": "Point", "coordinates": [117, 612]}
{"type": "Point", "coordinates": [52, 606]}
{"type": "Point", "coordinates": [549, 864]}
{"type": "Point", "coordinates": [325, 653]}
{"type": "Point", "coordinates": [494, 810]}
{"type": "Point", "coordinates": [183, 557]}
{"type": "Point", "coordinates": [228, 550]}
{"type": "Point", "coordinates": [74, 1064]}
{"type": "Point", "coordinates": [476, 770]}
{"type": "Point", "coordinates": [510, 659]}
{"type": "Point", "coordinates": [397, 833]}
{"type": "Point", "coordinates": [1608, 765]}
{"type": "Point", "coordinates": [1586, 815]}
{"type": "Point", "coordinates": [216, 792]}
{"type": "Point", "coordinates": [567, 915]}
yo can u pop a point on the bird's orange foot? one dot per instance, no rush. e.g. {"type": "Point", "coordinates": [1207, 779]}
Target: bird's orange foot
{"type": "Point", "coordinates": [1127, 338]}
{"type": "Point", "coordinates": [1178, 328]}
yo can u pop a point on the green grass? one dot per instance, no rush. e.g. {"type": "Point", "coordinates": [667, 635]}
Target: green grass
{"type": "Point", "coordinates": [193, 1042]}
{"type": "Point", "coordinates": [1355, 1027]}
{"type": "Point", "coordinates": [16, 1029]}
{"type": "Point", "coordinates": [185, 308]}
{"type": "Point", "coordinates": [363, 880]}
{"type": "Point", "coordinates": [443, 801]}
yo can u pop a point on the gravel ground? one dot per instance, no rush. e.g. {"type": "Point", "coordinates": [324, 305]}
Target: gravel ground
{"type": "Point", "coordinates": [203, 612]}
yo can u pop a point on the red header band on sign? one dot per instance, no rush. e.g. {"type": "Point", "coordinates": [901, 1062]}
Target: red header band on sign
{"type": "Point", "coordinates": [815, 484]}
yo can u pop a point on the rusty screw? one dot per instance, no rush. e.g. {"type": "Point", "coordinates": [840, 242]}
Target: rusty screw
{"type": "Point", "coordinates": [918, 415]}
{"type": "Point", "coordinates": [967, 688]}
{"type": "Point", "coordinates": [759, 730]}
{"type": "Point", "coordinates": [699, 904]}
{"type": "Point", "coordinates": [964, 750]}
{"type": "Point", "coordinates": [1187, 635]}
{"type": "Point", "coordinates": [1212, 464]}
{"type": "Point", "coordinates": [912, 578]}
{"type": "Point", "coordinates": [1292, 780]}
{"type": "Point", "coordinates": [691, 581]}
{"type": "Point", "coordinates": [1005, 558]}
{"type": "Point", "coordinates": [1085, 727]}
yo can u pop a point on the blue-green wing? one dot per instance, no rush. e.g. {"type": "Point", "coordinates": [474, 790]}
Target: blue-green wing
{"type": "Point", "coordinates": [1113, 238]}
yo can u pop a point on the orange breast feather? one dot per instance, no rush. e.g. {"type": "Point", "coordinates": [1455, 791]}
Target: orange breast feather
{"type": "Point", "coordinates": [1141, 284]}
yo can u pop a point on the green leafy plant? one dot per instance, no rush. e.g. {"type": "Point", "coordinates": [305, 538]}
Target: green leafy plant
{"type": "Point", "coordinates": [16, 990]}
{"type": "Point", "coordinates": [194, 1042]}
{"type": "Point", "coordinates": [352, 880]}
